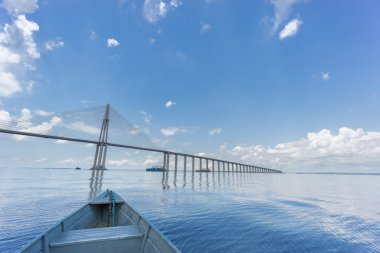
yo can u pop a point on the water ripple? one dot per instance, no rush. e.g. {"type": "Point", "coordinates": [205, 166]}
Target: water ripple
{"type": "Point", "coordinates": [220, 212]}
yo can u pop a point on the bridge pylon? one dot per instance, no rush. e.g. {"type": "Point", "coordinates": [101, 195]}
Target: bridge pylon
{"type": "Point", "coordinates": [101, 147]}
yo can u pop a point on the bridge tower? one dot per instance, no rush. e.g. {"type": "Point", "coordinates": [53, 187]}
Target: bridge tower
{"type": "Point", "coordinates": [101, 147]}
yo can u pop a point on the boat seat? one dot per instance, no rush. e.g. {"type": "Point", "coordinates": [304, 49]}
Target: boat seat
{"type": "Point", "coordinates": [94, 235]}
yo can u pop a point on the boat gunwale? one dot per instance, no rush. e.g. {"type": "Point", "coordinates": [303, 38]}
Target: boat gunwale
{"type": "Point", "coordinates": [60, 223]}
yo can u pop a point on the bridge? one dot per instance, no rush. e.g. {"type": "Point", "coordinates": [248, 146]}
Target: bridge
{"type": "Point", "coordinates": [208, 164]}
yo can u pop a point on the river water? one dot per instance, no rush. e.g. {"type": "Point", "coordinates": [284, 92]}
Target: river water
{"type": "Point", "coordinates": [206, 212]}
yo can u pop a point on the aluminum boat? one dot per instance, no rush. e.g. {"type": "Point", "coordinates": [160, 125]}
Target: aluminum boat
{"type": "Point", "coordinates": [106, 224]}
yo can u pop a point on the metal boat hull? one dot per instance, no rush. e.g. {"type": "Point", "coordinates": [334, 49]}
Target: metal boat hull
{"type": "Point", "coordinates": [90, 230]}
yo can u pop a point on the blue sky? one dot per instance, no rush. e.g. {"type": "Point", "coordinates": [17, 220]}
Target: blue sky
{"type": "Point", "coordinates": [289, 84]}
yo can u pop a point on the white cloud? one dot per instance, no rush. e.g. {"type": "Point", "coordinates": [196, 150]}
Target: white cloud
{"type": "Point", "coordinates": [325, 76]}
{"type": "Point", "coordinates": [138, 131]}
{"type": "Point", "coordinates": [41, 160]}
{"type": "Point", "coordinates": [25, 119]}
{"type": "Point", "coordinates": [24, 124]}
{"type": "Point", "coordinates": [146, 117]}
{"type": "Point", "coordinates": [175, 3]}
{"type": "Point", "coordinates": [7, 56]}
{"type": "Point", "coordinates": [16, 7]}
{"type": "Point", "coordinates": [152, 41]}
{"type": "Point", "coordinates": [43, 113]}
{"type": "Point", "coordinates": [282, 9]}
{"type": "Point", "coordinates": [122, 162]}
{"type": "Point", "coordinates": [85, 101]}
{"type": "Point", "coordinates": [153, 10]}
{"type": "Point", "coordinates": [18, 50]}
{"type": "Point", "coordinates": [170, 104]}
{"type": "Point", "coordinates": [205, 27]}
{"type": "Point", "coordinates": [5, 118]}
{"type": "Point", "coordinates": [44, 127]}
{"type": "Point", "coordinates": [29, 86]}
{"type": "Point", "coordinates": [223, 147]}
{"type": "Point", "coordinates": [112, 42]}
{"type": "Point", "coordinates": [170, 131]}
{"type": "Point", "coordinates": [68, 161]}
{"type": "Point", "coordinates": [348, 148]}
{"type": "Point", "coordinates": [51, 44]}
{"type": "Point", "coordinates": [152, 160]}
{"type": "Point", "coordinates": [290, 29]}
{"type": "Point", "coordinates": [215, 131]}
{"type": "Point", "coordinates": [93, 35]}
{"type": "Point", "coordinates": [8, 84]}
{"type": "Point", "coordinates": [27, 28]}
{"type": "Point", "coordinates": [81, 126]}
{"type": "Point", "coordinates": [60, 141]}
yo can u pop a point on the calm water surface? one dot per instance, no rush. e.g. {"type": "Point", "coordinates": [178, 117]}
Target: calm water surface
{"type": "Point", "coordinates": [199, 212]}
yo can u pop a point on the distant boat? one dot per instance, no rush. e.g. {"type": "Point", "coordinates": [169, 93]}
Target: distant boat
{"type": "Point", "coordinates": [77, 168]}
{"type": "Point", "coordinates": [203, 170]}
{"type": "Point", "coordinates": [106, 224]}
{"type": "Point", "coordinates": [156, 169]}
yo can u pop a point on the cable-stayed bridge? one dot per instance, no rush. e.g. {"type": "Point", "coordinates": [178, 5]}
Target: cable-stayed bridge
{"type": "Point", "coordinates": [71, 126]}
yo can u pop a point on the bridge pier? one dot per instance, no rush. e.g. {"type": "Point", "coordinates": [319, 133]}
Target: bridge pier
{"type": "Point", "coordinates": [101, 147]}
{"type": "Point", "coordinates": [167, 161]}
{"type": "Point", "coordinates": [184, 162]}
{"type": "Point", "coordinates": [164, 161]}
{"type": "Point", "coordinates": [193, 163]}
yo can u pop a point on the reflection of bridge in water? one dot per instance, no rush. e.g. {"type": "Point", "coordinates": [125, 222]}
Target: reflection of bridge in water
{"type": "Point", "coordinates": [183, 179]}
{"type": "Point", "coordinates": [202, 163]}
{"type": "Point", "coordinates": [96, 183]}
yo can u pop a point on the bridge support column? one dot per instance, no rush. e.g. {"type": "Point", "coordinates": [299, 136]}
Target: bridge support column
{"type": "Point", "coordinates": [200, 163]}
{"type": "Point", "coordinates": [184, 162]}
{"type": "Point", "coordinates": [101, 147]}
{"type": "Point", "coordinates": [164, 161]}
{"type": "Point", "coordinates": [175, 162]}
{"type": "Point", "coordinates": [167, 161]}
{"type": "Point", "coordinates": [192, 163]}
